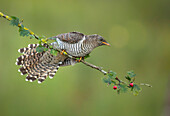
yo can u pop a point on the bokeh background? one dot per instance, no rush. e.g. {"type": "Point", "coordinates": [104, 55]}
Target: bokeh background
{"type": "Point", "coordinates": [139, 34]}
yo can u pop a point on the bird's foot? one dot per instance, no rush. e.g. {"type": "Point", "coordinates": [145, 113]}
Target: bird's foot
{"type": "Point", "coordinates": [63, 52]}
{"type": "Point", "coordinates": [79, 59]}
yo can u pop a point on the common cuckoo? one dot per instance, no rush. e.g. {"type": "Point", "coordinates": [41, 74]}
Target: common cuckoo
{"type": "Point", "coordinates": [42, 65]}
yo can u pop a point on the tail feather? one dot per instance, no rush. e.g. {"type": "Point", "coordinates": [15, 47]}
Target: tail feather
{"type": "Point", "coordinates": [30, 50]}
{"type": "Point", "coordinates": [30, 78]}
{"type": "Point", "coordinates": [38, 65]}
{"type": "Point", "coordinates": [68, 62]}
{"type": "Point", "coordinates": [23, 71]}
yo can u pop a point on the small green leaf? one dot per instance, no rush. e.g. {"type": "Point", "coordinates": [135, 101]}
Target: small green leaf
{"type": "Point", "coordinates": [136, 89]}
{"type": "Point", "coordinates": [40, 43]}
{"type": "Point", "coordinates": [41, 37]}
{"type": "Point", "coordinates": [53, 52]}
{"type": "Point", "coordinates": [32, 36]}
{"type": "Point", "coordinates": [128, 78]}
{"type": "Point", "coordinates": [78, 58]}
{"type": "Point", "coordinates": [118, 91]}
{"type": "Point", "coordinates": [87, 56]}
{"type": "Point", "coordinates": [114, 82]}
{"type": "Point", "coordinates": [107, 80]}
{"type": "Point", "coordinates": [112, 74]}
{"type": "Point", "coordinates": [14, 21]}
{"type": "Point", "coordinates": [45, 49]}
{"type": "Point", "coordinates": [39, 49]}
{"type": "Point", "coordinates": [131, 73]}
{"type": "Point", "coordinates": [122, 88]}
{"type": "Point", "coordinates": [51, 47]}
{"type": "Point", "coordinates": [24, 33]}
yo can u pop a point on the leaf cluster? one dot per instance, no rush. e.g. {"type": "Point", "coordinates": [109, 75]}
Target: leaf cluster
{"type": "Point", "coordinates": [22, 30]}
{"type": "Point", "coordinates": [41, 48]}
{"type": "Point", "coordinates": [26, 32]}
{"type": "Point", "coordinates": [122, 86]}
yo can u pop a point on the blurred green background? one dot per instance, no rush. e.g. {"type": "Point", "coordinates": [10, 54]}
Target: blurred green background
{"type": "Point", "coordinates": [139, 34]}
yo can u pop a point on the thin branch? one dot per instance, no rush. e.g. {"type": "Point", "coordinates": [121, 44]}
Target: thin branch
{"type": "Point", "coordinates": [45, 41]}
{"type": "Point", "coordinates": [94, 66]}
{"type": "Point", "coordinates": [118, 80]}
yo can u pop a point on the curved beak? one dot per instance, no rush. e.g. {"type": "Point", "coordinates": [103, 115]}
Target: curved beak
{"type": "Point", "coordinates": [105, 43]}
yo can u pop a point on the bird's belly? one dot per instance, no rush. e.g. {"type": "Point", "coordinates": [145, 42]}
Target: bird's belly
{"type": "Point", "coordinates": [76, 54]}
{"type": "Point", "coordinates": [74, 50]}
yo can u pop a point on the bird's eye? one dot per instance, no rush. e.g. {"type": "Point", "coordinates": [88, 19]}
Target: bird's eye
{"type": "Point", "coordinates": [101, 39]}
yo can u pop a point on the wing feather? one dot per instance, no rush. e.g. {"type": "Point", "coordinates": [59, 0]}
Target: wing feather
{"type": "Point", "coordinates": [71, 37]}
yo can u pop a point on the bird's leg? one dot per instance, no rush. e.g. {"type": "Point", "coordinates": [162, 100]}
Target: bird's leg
{"type": "Point", "coordinates": [63, 52]}
{"type": "Point", "coordinates": [81, 58]}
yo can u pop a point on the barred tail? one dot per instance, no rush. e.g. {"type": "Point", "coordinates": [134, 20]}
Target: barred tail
{"type": "Point", "coordinates": [69, 61]}
{"type": "Point", "coordinates": [38, 65]}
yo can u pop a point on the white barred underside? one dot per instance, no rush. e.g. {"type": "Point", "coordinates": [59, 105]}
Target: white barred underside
{"type": "Point", "coordinates": [79, 49]}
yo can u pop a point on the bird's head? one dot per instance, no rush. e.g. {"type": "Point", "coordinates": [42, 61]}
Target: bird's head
{"type": "Point", "coordinates": [101, 41]}
{"type": "Point", "coordinates": [98, 40]}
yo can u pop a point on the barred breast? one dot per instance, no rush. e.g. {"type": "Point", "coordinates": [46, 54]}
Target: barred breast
{"type": "Point", "coordinates": [72, 49]}
{"type": "Point", "coordinates": [74, 43]}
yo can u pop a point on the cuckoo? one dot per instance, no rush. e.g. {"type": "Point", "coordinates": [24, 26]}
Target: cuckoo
{"type": "Point", "coordinates": [42, 65]}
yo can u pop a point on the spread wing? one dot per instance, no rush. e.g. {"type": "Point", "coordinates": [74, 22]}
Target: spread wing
{"type": "Point", "coordinates": [71, 37]}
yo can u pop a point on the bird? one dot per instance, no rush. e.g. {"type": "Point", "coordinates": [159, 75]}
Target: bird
{"type": "Point", "coordinates": [77, 44]}
{"type": "Point", "coordinates": [39, 66]}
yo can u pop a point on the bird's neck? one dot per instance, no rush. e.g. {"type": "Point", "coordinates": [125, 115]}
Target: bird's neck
{"type": "Point", "coordinates": [90, 43]}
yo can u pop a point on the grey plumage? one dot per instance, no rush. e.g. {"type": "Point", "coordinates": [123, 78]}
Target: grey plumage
{"type": "Point", "coordinates": [77, 44]}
